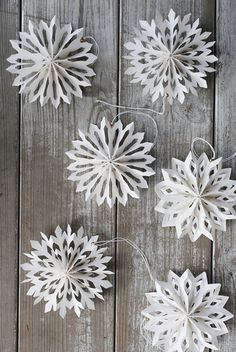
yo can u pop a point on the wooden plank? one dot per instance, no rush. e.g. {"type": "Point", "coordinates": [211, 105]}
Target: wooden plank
{"type": "Point", "coordinates": [138, 221]}
{"type": "Point", "coordinates": [9, 171]}
{"type": "Point", "coordinates": [224, 263]}
{"type": "Point", "coordinates": [47, 198]}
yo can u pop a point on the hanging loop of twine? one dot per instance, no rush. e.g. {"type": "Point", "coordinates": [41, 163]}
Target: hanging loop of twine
{"type": "Point", "coordinates": [197, 139]}
{"type": "Point", "coordinates": [141, 114]}
{"type": "Point", "coordinates": [212, 149]}
{"type": "Point", "coordinates": [136, 111]}
{"type": "Point", "coordinates": [94, 42]}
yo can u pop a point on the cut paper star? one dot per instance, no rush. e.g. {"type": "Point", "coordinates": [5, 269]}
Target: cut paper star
{"type": "Point", "coordinates": [197, 196]}
{"type": "Point", "coordinates": [170, 57]}
{"type": "Point", "coordinates": [67, 271]}
{"type": "Point", "coordinates": [186, 314]}
{"type": "Point", "coordinates": [110, 162]}
{"type": "Point", "coordinates": [51, 62]}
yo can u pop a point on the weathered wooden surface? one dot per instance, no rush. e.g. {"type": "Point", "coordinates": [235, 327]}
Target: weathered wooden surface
{"type": "Point", "coordinates": [48, 199]}
{"type": "Point", "coordinates": [224, 260]}
{"type": "Point", "coordinates": [140, 222]}
{"type": "Point", "coordinates": [9, 185]}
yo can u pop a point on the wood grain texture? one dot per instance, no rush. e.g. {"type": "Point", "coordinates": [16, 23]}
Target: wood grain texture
{"type": "Point", "coordinates": [47, 198]}
{"type": "Point", "coordinates": [139, 222]}
{"type": "Point", "coordinates": [225, 136]}
{"type": "Point", "coordinates": [9, 172]}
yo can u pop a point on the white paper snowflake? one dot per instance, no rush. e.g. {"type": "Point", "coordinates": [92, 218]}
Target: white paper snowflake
{"type": "Point", "coordinates": [170, 57]}
{"type": "Point", "coordinates": [186, 314]}
{"type": "Point", "coordinates": [197, 196]}
{"type": "Point", "coordinates": [51, 63]}
{"type": "Point", "coordinates": [67, 271]}
{"type": "Point", "coordinates": [110, 162]}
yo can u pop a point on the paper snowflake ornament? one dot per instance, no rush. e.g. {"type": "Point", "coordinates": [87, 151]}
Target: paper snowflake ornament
{"type": "Point", "coordinates": [51, 62]}
{"type": "Point", "coordinates": [67, 271]}
{"type": "Point", "coordinates": [110, 162]}
{"type": "Point", "coordinates": [186, 314]}
{"type": "Point", "coordinates": [196, 196]}
{"type": "Point", "coordinates": [170, 57]}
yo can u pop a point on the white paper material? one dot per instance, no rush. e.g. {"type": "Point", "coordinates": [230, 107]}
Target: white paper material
{"type": "Point", "coordinates": [110, 162]}
{"type": "Point", "coordinates": [197, 196]}
{"type": "Point", "coordinates": [67, 271]}
{"type": "Point", "coordinates": [170, 57]}
{"type": "Point", "coordinates": [51, 62]}
{"type": "Point", "coordinates": [186, 314]}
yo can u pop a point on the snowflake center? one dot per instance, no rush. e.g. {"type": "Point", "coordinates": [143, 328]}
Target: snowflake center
{"type": "Point", "coordinates": [68, 273]}
{"type": "Point", "coordinates": [199, 196]}
{"type": "Point", "coordinates": [184, 313]}
{"type": "Point", "coordinates": [50, 61]}
{"type": "Point", "coordinates": [169, 56]}
{"type": "Point", "coordinates": [110, 162]}
{"type": "Point", "coordinates": [187, 316]}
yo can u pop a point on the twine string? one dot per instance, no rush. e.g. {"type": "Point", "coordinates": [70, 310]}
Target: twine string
{"type": "Point", "coordinates": [146, 262]}
{"type": "Point", "coordinates": [141, 114]}
{"type": "Point", "coordinates": [230, 157]}
{"type": "Point", "coordinates": [133, 245]}
{"type": "Point", "coordinates": [197, 139]}
{"type": "Point", "coordinates": [143, 333]}
{"type": "Point", "coordinates": [134, 108]}
{"type": "Point", "coordinates": [94, 42]}
{"type": "Point", "coordinates": [137, 111]}
{"type": "Point", "coordinates": [212, 149]}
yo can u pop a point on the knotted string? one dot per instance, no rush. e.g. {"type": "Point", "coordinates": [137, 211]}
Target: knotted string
{"type": "Point", "coordinates": [132, 244]}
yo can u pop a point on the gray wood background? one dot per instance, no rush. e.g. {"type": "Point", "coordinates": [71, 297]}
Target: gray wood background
{"type": "Point", "coordinates": [35, 196]}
